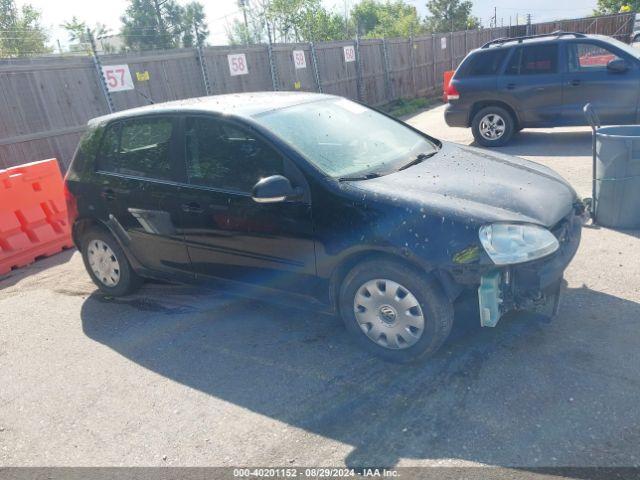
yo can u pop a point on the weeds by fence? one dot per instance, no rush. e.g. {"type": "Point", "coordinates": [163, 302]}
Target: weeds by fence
{"type": "Point", "coordinates": [46, 102]}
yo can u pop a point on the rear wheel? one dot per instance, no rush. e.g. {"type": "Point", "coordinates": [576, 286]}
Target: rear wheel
{"type": "Point", "coordinates": [107, 264]}
{"type": "Point", "coordinates": [394, 311]}
{"type": "Point", "coordinates": [493, 126]}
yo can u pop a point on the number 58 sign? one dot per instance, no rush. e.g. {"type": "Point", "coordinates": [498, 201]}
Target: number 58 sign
{"type": "Point", "coordinates": [118, 77]}
{"type": "Point", "coordinates": [237, 64]}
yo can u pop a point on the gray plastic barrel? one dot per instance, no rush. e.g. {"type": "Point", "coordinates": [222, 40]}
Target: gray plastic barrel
{"type": "Point", "coordinates": [617, 176]}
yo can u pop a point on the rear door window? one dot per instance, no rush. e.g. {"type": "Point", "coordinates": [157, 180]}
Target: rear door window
{"type": "Point", "coordinates": [483, 63]}
{"type": "Point", "coordinates": [534, 60]}
{"type": "Point", "coordinates": [138, 147]}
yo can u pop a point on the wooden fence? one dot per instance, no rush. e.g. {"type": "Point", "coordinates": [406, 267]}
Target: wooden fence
{"type": "Point", "coordinates": [46, 102]}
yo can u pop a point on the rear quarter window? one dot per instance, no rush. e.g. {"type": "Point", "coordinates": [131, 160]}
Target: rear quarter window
{"type": "Point", "coordinates": [483, 63]}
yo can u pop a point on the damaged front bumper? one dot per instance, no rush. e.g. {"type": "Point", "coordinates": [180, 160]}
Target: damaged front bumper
{"type": "Point", "coordinates": [532, 286]}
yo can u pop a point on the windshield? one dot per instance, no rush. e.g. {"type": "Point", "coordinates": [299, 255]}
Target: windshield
{"type": "Point", "coordinates": [343, 138]}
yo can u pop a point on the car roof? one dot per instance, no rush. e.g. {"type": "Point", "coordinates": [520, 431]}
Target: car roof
{"type": "Point", "coordinates": [237, 104]}
{"type": "Point", "coordinates": [500, 43]}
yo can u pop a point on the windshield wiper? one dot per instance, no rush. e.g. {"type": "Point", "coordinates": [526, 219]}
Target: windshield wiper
{"type": "Point", "coordinates": [366, 176]}
{"type": "Point", "coordinates": [419, 158]}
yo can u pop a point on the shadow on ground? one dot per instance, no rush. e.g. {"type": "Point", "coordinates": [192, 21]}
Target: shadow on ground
{"type": "Point", "coordinates": [533, 143]}
{"type": "Point", "coordinates": [523, 393]}
{"type": "Point", "coordinates": [41, 264]}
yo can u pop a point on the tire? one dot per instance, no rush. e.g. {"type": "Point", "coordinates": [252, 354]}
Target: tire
{"type": "Point", "coordinates": [114, 276]}
{"type": "Point", "coordinates": [496, 121]}
{"type": "Point", "coordinates": [434, 306]}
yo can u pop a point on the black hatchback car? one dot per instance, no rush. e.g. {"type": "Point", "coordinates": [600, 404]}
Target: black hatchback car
{"type": "Point", "coordinates": [325, 202]}
{"type": "Point", "coordinates": [543, 81]}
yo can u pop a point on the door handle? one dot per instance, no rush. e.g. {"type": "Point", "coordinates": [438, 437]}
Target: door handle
{"type": "Point", "coordinates": [511, 86]}
{"type": "Point", "coordinates": [574, 83]}
{"type": "Point", "coordinates": [108, 194]}
{"type": "Point", "coordinates": [192, 207]}
{"type": "Point", "coordinates": [540, 89]}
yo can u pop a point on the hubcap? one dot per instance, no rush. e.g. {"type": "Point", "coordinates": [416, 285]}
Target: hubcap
{"type": "Point", "coordinates": [492, 126]}
{"type": "Point", "coordinates": [103, 262]}
{"type": "Point", "coordinates": [389, 314]}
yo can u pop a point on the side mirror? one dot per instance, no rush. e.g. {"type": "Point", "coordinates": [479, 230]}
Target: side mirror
{"type": "Point", "coordinates": [273, 189]}
{"type": "Point", "coordinates": [617, 65]}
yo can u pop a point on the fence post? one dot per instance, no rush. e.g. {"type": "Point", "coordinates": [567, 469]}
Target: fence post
{"type": "Point", "coordinates": [314, 61]}
{"type": "Point", "coordinates": [272, 68]}
{"type": "Point", "coordinates": [358, 68]}
{"type": "Point", "coordinates": [453, 51]}
{"type": "Point", "coordinates": [98, 67]}
{"type": "Point", "coordinates": [203, 66]}
{"type": "Point", "coordinates": [435, 62]}
{"type": "Point", "coordinates": [387, 76]}
{"type": "Point", "coordinates": [412, 67]}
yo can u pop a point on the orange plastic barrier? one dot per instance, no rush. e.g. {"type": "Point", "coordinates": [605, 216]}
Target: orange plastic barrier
{"type": "Point", "coordinates": [33, 214]}
{"type": "Point", "coordinates": [446, 78]}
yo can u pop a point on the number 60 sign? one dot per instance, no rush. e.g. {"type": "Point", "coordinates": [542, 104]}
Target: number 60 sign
{"type": "Point", "coordinates": [118, 77]}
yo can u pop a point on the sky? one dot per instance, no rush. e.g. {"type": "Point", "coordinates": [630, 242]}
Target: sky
{"type": "Point", "coordinates": [220, 13]}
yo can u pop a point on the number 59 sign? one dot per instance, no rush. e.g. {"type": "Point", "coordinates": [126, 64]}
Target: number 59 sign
{"type": "Point", "coordinates": [118, 77]}
{"type": "Point", "coordinates": [237, 64]}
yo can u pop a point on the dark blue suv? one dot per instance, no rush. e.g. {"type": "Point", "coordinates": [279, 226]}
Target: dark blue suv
{"type": "Point", "coordinates": [543, 81]}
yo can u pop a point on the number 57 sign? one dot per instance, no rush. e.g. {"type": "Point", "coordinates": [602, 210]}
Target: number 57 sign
{"type": "Point", "coordinates": [118, 77]}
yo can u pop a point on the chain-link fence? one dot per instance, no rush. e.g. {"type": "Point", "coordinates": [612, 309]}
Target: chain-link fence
{"type": "Point", "coordinates": [46, 102]}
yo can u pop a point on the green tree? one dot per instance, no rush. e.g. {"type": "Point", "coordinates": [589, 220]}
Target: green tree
{"type": "Point", "coordinates": [374, 18]}
{"type": "Point", "coordinates": [149, 24]}
{"type": "Point", "coordinates": [607, 7]}
{"type": "Point", "coordinates": [303, 21]}
{"type": "Point", "coordinates": [195, 18]}
{"type": "Point", "coordinates": [20, 30]}
{"type": "Point", "coordinates": [77, 30]}
{"type": "Point", "coordinates": [447, 15]}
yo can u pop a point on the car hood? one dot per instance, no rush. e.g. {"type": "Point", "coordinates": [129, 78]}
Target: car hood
{"type": "Point", "coordinates": [480, 185]}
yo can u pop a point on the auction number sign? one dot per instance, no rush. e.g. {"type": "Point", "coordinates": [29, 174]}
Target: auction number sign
{"type": "Point", "coordinates": [349, 53]}
{"type": "Point", "coordinates": [299, 59]}
{"type": "Point", "coordinates": [237, 64]}
{"type": "Point", "coordinates": [118, 77]}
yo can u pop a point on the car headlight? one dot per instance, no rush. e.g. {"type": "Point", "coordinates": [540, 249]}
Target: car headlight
{"type": "Point", "coordinates": [507, 243]}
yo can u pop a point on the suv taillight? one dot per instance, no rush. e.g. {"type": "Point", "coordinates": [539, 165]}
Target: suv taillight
{"type": "Point", "coordinates": [451, 92]}
{"type": "Point", "coordinates": [72, 205]}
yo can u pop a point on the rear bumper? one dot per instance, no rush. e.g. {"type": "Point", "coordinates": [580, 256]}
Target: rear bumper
{"type": "Point", "coordinates": [456, 116]}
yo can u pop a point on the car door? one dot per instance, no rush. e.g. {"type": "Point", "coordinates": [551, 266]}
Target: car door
{"type": "Point", "coordinates": [531, 84]}
{"type": "Point", "coordinates": [138, 166]}
{"type": "Point", "coordinates": [228, 234]}
{"type": "Point", "coordinates": [614, 95]}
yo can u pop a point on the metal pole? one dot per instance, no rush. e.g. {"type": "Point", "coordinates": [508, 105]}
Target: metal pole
{"type": "Point", "coordinates": [358, 72]}
{"type": "Point", "coordinates": [435, 63]}
{"type": "Point", "coordinates": [387, 76]}
{"type": "Point", "coordinates": [412, 62]}
{"type": "Point", "coordinates": [98, 67]}
{"type": "Point", "coordinates": [203, 66]}
{"type": "Point", "coordinates": [314, 61]}
{"type": "Point", "coordinates": [272, 68]}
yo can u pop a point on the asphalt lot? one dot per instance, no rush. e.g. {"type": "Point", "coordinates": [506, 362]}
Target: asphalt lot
{"type": "Point", "coordinates": [177, 375]}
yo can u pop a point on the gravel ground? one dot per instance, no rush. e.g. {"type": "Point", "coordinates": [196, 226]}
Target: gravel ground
{"type": "Point", "coordinates": [177, 375]}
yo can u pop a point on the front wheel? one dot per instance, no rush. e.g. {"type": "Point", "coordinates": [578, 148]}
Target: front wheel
{"type": "Point", "coordinates": [395, 312]}
{"type": "Point", "coordinates": [493, 126]}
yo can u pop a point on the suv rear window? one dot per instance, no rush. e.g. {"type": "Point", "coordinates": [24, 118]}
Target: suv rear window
{"type": "Point", "coordinates": [483, 63]}
{"type": "Point", "coordinates": [533, 60]}
{"type": "Point", "coordinates": [137, 147]}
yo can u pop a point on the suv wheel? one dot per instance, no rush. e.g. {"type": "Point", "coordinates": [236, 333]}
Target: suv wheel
{"type": "Point", "coordinates": [492, 126]}
{"type": "Point", "coordinates": [107, 264]}
{"type": "Point", "coordinates": [394, 312]}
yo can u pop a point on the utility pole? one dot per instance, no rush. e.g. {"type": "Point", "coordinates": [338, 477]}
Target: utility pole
{"type": "Point", "coordinates": [346, 20]}
{"type": "Point", "coordinates": [243, 5]}
{"type": "Point", "coordinates": [495, 17]}
{"type": "Point", "coordinates": [528, 24]}
{"type": "Point", "coordinates": [161, 27]}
